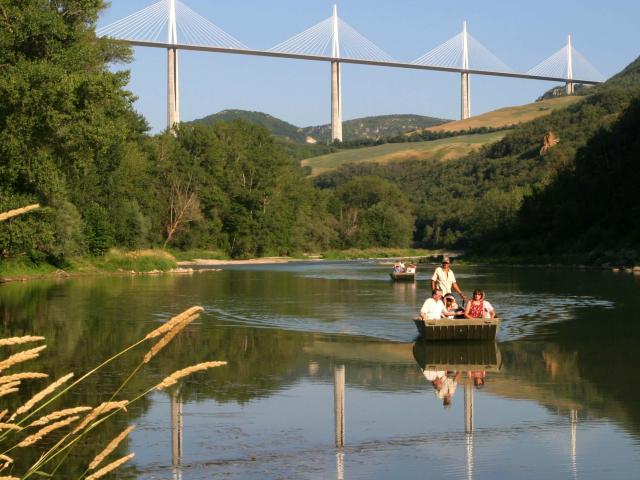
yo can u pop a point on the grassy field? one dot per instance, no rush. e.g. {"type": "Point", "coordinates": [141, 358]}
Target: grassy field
{"type": "Point", "coordinates": [444, 149]}
{"type": "Point", "coordinates": [508, 116]}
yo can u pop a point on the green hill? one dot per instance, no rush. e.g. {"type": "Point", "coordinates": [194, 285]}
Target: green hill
{"type": "Point", "coordinates": [375, 127]}
{"type": "Point", "coordinates": [279, 128]}
{"type": "Point", "coordinates": [368, 127]}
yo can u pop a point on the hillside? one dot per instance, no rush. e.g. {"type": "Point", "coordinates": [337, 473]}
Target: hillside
{"type": "Point", "coordinates": [508, 116]}
{"type": "Point", "coordinates": [375, 127]}
{"type": "Point", "coordinates": [579, 196]}
{"type": "Point", "coordinates": [444, 149]}
{"type": "Point", "coordinates": [278, 128]}
{"type": "Point", "coordinates": [367, 127]}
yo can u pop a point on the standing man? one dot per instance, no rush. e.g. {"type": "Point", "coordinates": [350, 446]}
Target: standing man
{"type": "Point", "coordinates": [444, 279]}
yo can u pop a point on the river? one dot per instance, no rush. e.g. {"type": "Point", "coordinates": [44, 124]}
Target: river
{"type": "Point", "coordinates": [555, 397]}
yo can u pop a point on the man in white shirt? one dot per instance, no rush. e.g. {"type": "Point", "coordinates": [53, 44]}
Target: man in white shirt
{"type": "Point", "coordinates": [433, 308]}
{"type": "Point", "coordinates": [444, 279]}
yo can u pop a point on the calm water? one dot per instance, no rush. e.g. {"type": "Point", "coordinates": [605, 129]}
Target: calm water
{"type": "Point", "coordinates": [561, 396]}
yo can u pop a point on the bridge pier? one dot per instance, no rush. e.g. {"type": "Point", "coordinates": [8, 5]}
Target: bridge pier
{"type": "Point", "coordinates": [465, 97]}
{"type": "Point", "coordinates": [336, 102]}
{"type": "Point", "coordinates": [173, 98]}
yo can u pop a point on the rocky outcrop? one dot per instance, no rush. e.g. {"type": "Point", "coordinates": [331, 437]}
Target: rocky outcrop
{"type": "Point", "coordinates": [550, 140]}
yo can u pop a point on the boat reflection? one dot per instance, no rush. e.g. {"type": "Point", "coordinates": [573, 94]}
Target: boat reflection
{"type": "Point", "coordinates": [447, 364]}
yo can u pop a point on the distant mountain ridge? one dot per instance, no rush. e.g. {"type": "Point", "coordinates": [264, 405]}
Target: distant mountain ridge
{"type": "Point", "coordinates": [367, 127]}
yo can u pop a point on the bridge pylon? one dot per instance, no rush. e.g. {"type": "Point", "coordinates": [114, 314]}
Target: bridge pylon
{"type": "Point", "coordinates": [173, 93]}
{"type": "Point", "coordinates": [569, 85]}
{"type": "Point", "coordinates": [465, 97]}
{"type": "Point", "coordinates": [336, 81]}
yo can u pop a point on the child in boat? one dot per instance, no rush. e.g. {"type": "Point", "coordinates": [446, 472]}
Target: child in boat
{"type": "Point", "coordinates": [411, 268]}
{"type": "Point", "coordinates": [451, 305]}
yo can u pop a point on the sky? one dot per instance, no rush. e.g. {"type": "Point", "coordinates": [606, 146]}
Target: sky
{"type": "Point", "coordinates": [521, 33]}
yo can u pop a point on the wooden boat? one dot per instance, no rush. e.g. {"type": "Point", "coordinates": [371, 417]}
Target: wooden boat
{"type": "Point", "coordinates": [403, 277]}
{"type": "Point", "coordinates": [458, 329]}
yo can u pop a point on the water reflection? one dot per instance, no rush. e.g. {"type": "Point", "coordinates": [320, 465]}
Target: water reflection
{"type": "Point", "coordinates": [176, 433]}
{"type": "Point", "coordinates": [296, 342]}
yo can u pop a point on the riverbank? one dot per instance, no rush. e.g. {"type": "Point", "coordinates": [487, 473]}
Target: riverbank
{"type": "Point", "coordinates": [150, 262]}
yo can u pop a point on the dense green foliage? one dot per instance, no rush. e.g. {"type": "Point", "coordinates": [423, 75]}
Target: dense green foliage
{"type": "Point", "coordinates": [510, 198]}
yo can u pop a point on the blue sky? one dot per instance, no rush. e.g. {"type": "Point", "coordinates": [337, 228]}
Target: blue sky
{"type": "Point", "coordinates": [521, 33]}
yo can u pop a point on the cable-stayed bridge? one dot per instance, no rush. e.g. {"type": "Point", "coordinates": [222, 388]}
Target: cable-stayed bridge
{"type": "Point", "coordinates": [172, 25]}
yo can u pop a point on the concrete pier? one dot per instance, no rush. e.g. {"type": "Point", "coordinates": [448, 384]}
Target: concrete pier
{"type": "Point", "coordinates": [465, 96]}
{"type": "Point", "coordinates": [173, 98]}
{"type": "Point", "coordinates": [336, 102]}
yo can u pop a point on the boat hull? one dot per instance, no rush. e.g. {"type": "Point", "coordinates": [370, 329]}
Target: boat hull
{"type": "Point", "coordinates": [453, 329]}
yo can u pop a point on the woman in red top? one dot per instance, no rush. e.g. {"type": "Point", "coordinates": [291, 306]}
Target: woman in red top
{"type": "Point", "coordinates": [475, 308]}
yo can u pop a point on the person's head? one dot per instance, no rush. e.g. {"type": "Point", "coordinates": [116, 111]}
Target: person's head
{"type": "Point", "coordinates": [478, 294]}
{"type": "Point", "coordinates": [446, 401]}
{"type": "Point", "coordinates": [436, 293]}
{"type": "Point", "coordinates": [449, 299]}
{"type": "Point", "coordinates": [478, 382]}
{"type": "Point", "coordinates": [446, 262]}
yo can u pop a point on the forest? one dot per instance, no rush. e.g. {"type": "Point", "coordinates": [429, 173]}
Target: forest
{"type": "Point", "coordinates": [71, 140]}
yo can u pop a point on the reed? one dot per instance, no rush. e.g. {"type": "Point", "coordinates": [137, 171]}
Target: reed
{"type": "Point", "coordinates": [21, 376]}
{"type": "Point", "coordinates": [18, 211]}
{"type": "Point", "coordinates": [175, 376]}
{"type": "Point", "coordinates": [110, 448]}
{"type": "Point", "coordinates": [20, 357]}
{"type": "Point", "coordinates": [41, 395]}
{"type": "Point", "coordinates": [43, 432]}
{"type": "Point", "coordinates": [101, 409]}
{"type": "Point", "coordinates": [5, 461]}
{"type": "Point", "coordinates": [111, 467]}
{"type": "Point", "coordinates": [59, 414]}
{"type": "Point", "coordinates": [161, 330]}
{"type": "Point", "coordinates": [70, 416]}
{"type": "Point", "coordinates": [5, 342]}
{"type": "Point", "coordinates": [170, 335]}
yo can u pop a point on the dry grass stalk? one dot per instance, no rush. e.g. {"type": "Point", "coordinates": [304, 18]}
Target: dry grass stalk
{"type": "Point", "coordinates": [18, 211]}
{"type": "Point", "coordinates": [109, 468]}
{"type": "Point", "coordinates": [21, 357]}
{"type": "Point", "coordinates": [4, 393]}
{"type": "Point", "coordinates": [59, 414]}
{"type": "Point", "coordinates": [21, 376]}
{"type": "Point", "coordinates": [162, 329]}
{"type": "Point", "coordinates": [41, 395]}
{"type": "Point", "coordinates": [9, 478]}
{"type": "Point", "coordinates": [10, 387]}
{"type": "Point", "coordinates": [3, 413]}
{"type": "Point", "coordinates": [4, 342]}
{"type": "Point", "coordinates": [31, 439]}
{"type": "Point", "coordinates": [164, 341]}
{"type": "Point", "coordinates": [175, 376]}
{"type": "Point", "coordinates": [5, 461]}
{"type": "Point", "coordinates": [99, 410]}
{"type": "Point", "coordinates": [113, 444]}
{"type": "Point", "coordinates": [10, 426]}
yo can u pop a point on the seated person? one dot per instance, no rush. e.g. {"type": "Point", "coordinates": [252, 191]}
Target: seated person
{"type": "Point", "coordinates": [433, 308]}
{"type": "Point", "coordinates": [478, 307]}
{"type": "Point", "coordinates": [451, 304]}
{"type": "Point", "coordinates": [411, 268]}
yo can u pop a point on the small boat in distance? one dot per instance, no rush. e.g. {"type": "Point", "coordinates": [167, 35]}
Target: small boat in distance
{"type": "Point", "coordinates": [458, 329]}
{"type": "Point", "coordinates": [403, 274]}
